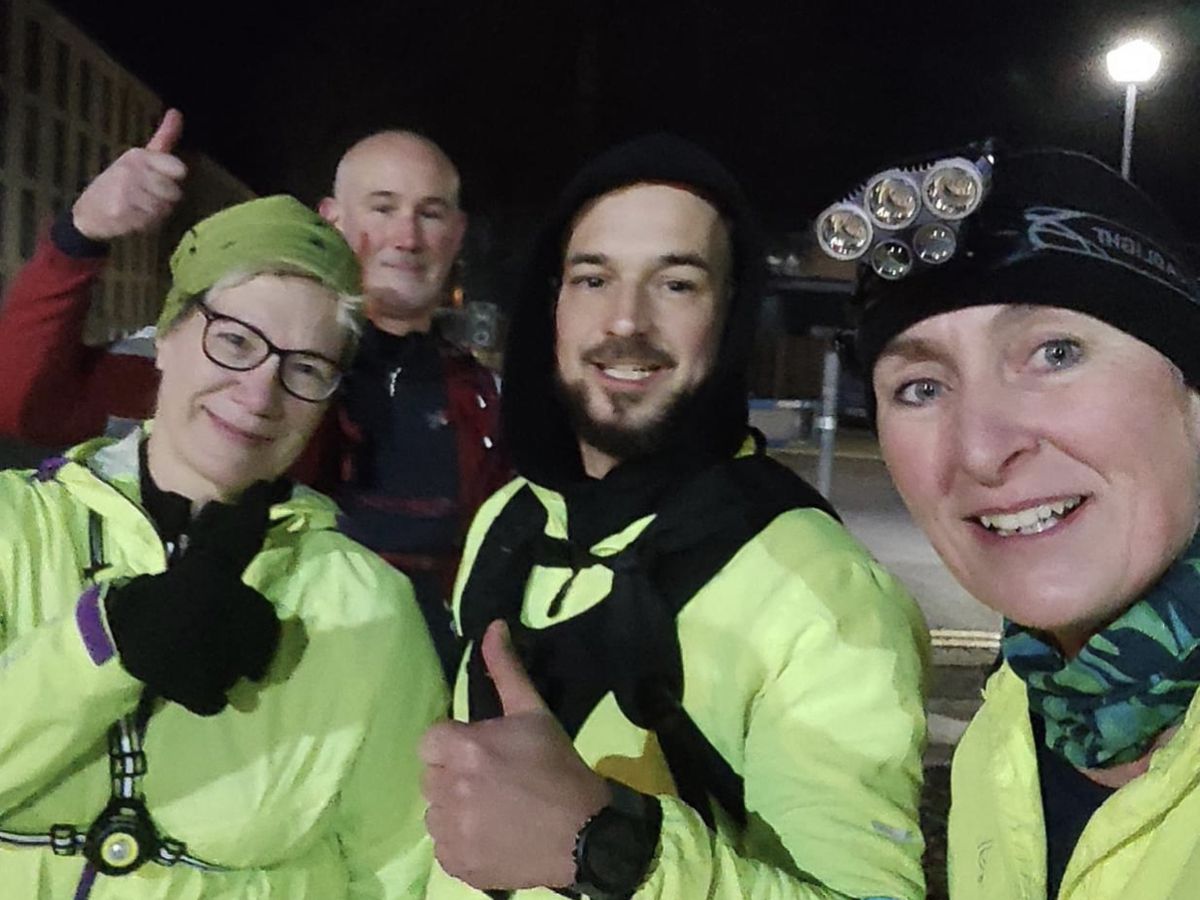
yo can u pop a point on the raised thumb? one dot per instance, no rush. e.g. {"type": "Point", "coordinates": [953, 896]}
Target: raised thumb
{"type": "Point", "coordinates": [513, 685]}
{"type": "Point", "coordinates": [166, 136]}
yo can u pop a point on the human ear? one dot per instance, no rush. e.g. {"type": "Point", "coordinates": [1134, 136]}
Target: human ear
{"type": "Point", "coordinates": [329, 210]}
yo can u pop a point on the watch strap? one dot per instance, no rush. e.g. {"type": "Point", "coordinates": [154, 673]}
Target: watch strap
{"type": "Point", "coordinates": [642, 813]}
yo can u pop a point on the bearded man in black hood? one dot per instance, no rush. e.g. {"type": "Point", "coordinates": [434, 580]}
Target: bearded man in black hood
{"type": "Point", "coordinates": [685, 679]}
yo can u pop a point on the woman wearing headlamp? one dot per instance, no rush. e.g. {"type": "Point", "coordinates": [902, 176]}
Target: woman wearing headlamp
{"type": "Point", "coordinates": [1037, 406]}
{"type": "Point", "coordinates": [207, 691]}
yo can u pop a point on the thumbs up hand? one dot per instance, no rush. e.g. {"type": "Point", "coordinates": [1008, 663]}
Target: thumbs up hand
{"type": "Point", "coordinates": [137, 191]}
{"type": "Point", "coordinates": [508, 795]}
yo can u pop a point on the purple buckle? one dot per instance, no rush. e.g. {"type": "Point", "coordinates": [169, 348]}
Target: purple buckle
{"type": "Point", "coordinates": [49, 467]}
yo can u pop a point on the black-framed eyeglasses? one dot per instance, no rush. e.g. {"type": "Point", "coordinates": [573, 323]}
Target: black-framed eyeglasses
{"type": "Point", "coordinates": [239, 346]}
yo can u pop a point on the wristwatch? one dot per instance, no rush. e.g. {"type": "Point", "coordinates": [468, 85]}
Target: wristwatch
{"type": "Point", "coordinates": [615, 848]}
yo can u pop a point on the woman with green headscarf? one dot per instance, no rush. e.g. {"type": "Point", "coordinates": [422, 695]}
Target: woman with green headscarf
{"type": "Point", "coordinates": [1031, 331]}
{"type": "Point", "coordinates": [207, 691]}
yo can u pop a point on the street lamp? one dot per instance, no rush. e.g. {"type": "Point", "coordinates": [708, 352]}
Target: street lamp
{"type": "Point", "coordinates": [1133, 63]}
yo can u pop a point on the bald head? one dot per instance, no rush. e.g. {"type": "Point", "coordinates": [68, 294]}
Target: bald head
{"type": "Point", "coordinates": [403, 147]}
{"type": "Point", "coordinates": [395, 198]}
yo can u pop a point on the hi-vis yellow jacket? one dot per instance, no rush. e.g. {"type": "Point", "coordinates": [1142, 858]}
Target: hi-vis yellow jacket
{"type": "Point", "coordinates": [307, 786]}
{"type": "Point", "coordinates": [1141, 844]}
{"type": "Point", "coordinates": [803, 665]}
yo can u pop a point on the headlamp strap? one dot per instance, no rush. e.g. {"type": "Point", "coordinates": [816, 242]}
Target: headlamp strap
{"type": "Point", "coordinates": [123, 837]}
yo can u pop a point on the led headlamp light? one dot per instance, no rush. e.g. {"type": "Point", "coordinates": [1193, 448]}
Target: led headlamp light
{"type": "Point", "coordinates": [905, 217]}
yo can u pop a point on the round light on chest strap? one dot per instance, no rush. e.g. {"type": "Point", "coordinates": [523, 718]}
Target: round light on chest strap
{"type": "Point", "coordinates": [121, 839]}
{"type": "Point", "coordinates": [119, 850]}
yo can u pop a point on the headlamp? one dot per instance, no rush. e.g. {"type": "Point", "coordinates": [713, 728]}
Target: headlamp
{"type": "Point", "coordinates": [907, 217]}
{"type": "Point", "coordinates": [891, 259]}
{"type": "Point", "coordinates": [893, 200]}
{"type": "Point", "coordinates": [953, 189]}
{"type": "Point", "coordinates": [845, 232]}
{"type": "Point", "coordinates": [934, 243]}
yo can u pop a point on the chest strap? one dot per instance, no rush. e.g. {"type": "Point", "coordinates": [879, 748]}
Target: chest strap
{"type": "Point", "coordinates": [123, 837]}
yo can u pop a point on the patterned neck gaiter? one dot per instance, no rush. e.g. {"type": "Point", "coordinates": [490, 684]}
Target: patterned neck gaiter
{"type": "Point", "coordinates": [1131, 680]}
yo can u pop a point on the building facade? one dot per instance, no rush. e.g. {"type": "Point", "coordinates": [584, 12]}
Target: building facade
{"type": "Point", "coordinates": [67, 109]}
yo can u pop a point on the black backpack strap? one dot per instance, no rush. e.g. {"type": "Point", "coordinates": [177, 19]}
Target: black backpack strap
{"type": "Point", "coordinates": [695, 534]}
{"type": "Point", "coordinates": [495, 588]}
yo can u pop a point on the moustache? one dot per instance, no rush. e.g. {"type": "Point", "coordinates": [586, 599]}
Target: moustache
{"type": "Point", "coordinates": [635, 350]}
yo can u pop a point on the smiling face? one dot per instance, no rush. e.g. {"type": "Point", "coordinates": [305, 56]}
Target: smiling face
{"type": "Point", "coordinates": [1052, 460]}
{"type": "Point", "coordinates": [396, 202]}
{"type": "Point", "coordinates": [217, 431]}
{"type": "Point", "coordinates": [639, 314]}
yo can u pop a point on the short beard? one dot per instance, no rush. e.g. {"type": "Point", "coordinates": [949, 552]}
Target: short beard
{"type": "Point", "coordinates": [622, 442]}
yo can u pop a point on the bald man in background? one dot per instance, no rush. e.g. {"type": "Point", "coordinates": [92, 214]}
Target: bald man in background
{"type": "Point", "coordinates": [409, 452]}
{"type": "Point", "coordinates": [422, 415]}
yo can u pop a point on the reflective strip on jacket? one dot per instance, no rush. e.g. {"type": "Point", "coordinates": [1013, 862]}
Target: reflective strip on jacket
{"type": "Point", "coordinates": [1143, 843]}
{"type": "Point", "coordinates": [803, 664]}
{"type": "Point", "coordinates": [307, 786]}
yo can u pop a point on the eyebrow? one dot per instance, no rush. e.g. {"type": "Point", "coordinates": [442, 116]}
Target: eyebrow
{"type": "Point", "coordinates": [1016, 313]}
{"type": "Point", "coordinates": [686, 259]}
{"type": "Point", "coordinates": [910, 349]}
{"type": "Point", "coordinates": [587, 259]}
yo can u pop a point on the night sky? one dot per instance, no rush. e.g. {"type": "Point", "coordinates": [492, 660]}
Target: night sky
{"type": "Point", "coordinates": [801, 99]}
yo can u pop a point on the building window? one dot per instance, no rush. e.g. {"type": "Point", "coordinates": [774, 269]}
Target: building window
{"type": "Point", "coordinates": [59, 170]}
{"type": "Point", "coordinates": [82, 161]}
{"type": "Point", "coordinates": [106, 100]}
{"type": "Point", "coordinates": [85, 90]}
{"type": "Point", "coordinates": [33, 56]}
{"type": "Point", "coordinates": [32, 144]}
{"type": "Point", "coordinates": [62, 74]}
{"type": "Point", "coordinates": [28, 234]}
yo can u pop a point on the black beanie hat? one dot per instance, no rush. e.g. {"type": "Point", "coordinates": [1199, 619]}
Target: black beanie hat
{"type": "Point", "coordinates": [535, 421]}
{"type": "Point", "coordinates": [1057, 228]}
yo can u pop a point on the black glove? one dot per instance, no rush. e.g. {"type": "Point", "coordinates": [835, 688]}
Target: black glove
{"type": "Point", "coordinates": [192, 631]}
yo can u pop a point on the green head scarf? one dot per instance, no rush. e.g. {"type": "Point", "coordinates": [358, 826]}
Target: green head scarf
{"type": "Point", "coordinates": [259, 235]}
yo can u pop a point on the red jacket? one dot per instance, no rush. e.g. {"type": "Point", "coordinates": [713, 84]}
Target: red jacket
{"type": "Point", "coordinates": [53, 388]}
{"type": "Point", "coordinates": [56, 390]}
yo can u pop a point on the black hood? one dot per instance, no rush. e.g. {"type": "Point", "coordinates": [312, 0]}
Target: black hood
{"type": "Point", "coordinates": [714, 422]}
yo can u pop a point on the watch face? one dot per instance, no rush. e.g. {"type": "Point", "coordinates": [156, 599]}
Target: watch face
{"type": "Point", "coordinates": [616, 853]}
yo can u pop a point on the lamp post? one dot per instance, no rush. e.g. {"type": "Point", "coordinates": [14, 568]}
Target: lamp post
{"type": "Point", "coordinates": [1134, 62]}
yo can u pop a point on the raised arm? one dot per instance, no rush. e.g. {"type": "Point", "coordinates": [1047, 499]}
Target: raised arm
{"type": "Point", "coordinates": [55, 388]}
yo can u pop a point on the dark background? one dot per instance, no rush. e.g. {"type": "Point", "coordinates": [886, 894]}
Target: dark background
{"type": "Point", "coordinates": [801, 99]}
